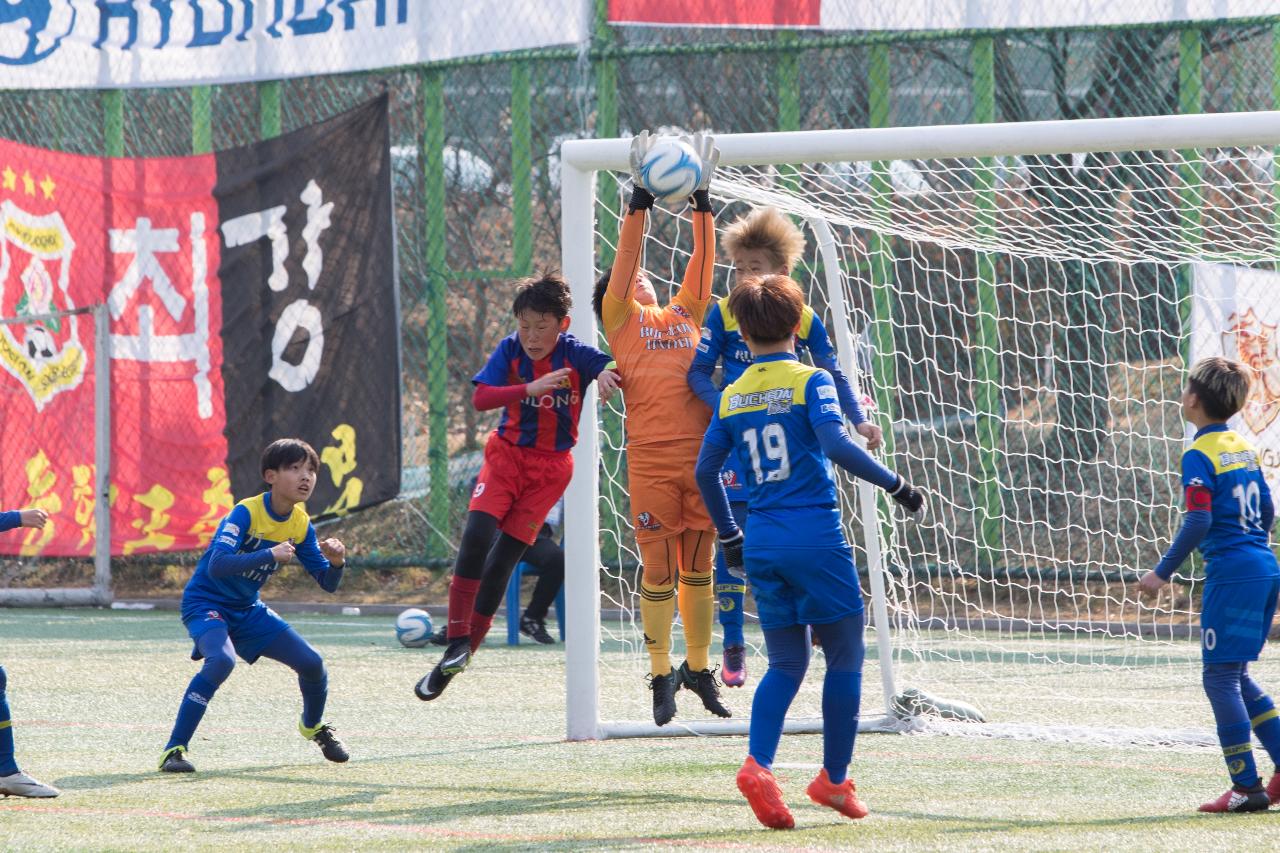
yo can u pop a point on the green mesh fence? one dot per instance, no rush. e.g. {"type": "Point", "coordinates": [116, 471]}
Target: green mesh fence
{"type": "Point", "coordinates": [476, 169]}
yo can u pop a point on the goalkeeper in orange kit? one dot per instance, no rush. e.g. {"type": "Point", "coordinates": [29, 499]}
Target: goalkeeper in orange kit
{"type": "Point", "coordinates": [653, 347]}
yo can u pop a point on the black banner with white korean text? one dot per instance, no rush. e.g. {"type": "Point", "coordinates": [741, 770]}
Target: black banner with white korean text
{"type": "Point", "coordinates": [309, 319]}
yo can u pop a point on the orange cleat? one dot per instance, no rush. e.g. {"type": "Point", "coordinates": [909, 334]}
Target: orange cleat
{"type": "Point", "coordinates": [1273, 789]}
{"type": "Point", "coordinates": [1234, 800]}
{"type": "Point", "coordinates": [843, 797]}
{"type": "Point", "coordinates": [764, 796]}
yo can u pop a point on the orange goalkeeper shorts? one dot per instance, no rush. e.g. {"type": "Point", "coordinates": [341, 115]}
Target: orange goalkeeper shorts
{"type": "Point", "coordinates": [665, 500]}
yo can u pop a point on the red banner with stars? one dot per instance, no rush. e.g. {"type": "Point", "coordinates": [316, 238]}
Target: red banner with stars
{"type": "Point", "coordinates": [144, 238]}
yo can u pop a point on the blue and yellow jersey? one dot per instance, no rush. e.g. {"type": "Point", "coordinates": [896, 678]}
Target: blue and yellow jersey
{"type": "Point", "coordinates": [722, 342]}
{"type": "Point", "coordinates": [1221, 475]}
{"type": "Point", "coordinates": [252, 528]}
{"type": "Point", "coordinates": [769, 416]}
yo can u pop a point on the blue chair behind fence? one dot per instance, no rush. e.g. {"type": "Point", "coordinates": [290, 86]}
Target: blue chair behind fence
{"type": "Point", "coordinates": [513, 603]}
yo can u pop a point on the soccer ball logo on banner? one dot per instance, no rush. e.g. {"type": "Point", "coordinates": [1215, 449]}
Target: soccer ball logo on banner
{"type": "Point", "coordinates": [45, 354]}
{"type": "Point", "coordinates": [1253, 342]}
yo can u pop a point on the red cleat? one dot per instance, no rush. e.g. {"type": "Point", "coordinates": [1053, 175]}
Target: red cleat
{"type": "Point", "coordinates": [843, 797]}
{"type": "Point", "coordinates": [1234, 800]}
{"type": "Point", "coordinates": [764, 796]}
{"type": "Point", "coordinates": [1273, 789]}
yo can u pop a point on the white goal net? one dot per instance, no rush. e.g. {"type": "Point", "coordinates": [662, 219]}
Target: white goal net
{"type": "Point", "coordinates": [1020, 303]}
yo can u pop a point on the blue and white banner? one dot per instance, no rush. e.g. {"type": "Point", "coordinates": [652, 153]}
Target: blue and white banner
{"type": "Point", "coordinates": [110, 44]}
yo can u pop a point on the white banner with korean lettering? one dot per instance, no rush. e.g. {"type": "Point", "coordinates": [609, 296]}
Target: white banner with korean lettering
{"type": "Point", "coordinates": [109, 44]}
{"type": "Point", "coordinates": [1236, 313]}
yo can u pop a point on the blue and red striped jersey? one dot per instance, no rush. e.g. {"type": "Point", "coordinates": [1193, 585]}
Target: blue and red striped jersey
{"type": "Point", "coordinates": [549, 422]}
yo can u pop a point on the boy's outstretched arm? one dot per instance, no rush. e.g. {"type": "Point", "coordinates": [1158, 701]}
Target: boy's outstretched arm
{"type": "Point", "coordinates": [824, 356]}
{"type": "Point", "coordinates": [841, 450]}
{"type": "Point", "coordinates": [31, 517]}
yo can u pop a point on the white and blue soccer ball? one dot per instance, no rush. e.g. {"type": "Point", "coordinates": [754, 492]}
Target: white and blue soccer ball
{"type": "Point", "coordinates": [671, 170]}
{"type": "Point", "coordinates": [413, 628]}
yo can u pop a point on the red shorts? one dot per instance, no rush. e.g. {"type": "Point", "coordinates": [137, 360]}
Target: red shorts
{"type": "Point", "coordinates": [519, 486]}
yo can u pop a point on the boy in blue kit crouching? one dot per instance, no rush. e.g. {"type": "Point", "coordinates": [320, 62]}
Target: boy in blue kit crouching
{"type": "Point", "coordinates": [224, 615]}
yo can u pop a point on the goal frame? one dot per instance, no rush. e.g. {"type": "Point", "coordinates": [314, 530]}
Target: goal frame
{"type": "Point", "coordinates": [99, 594]}
{"type": "Point", "coordinates": [581, 160]}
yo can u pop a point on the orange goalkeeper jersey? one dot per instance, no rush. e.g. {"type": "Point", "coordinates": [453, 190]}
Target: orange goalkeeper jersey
{"type": "Point", "coordinates": [654, 346]}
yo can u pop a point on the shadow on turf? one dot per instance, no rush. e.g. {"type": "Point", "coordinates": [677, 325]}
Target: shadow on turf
{"type": "Point", "coordinates": [489, 800]}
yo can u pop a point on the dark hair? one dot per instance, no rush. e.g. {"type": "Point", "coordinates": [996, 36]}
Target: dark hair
{"type": "Point", "coordinates": [767, 309]}
{"type": "Point", "coordinates": [284, 452]}
{"type": "Point", "coordinates": [544, 294]}
{"type": "Point", "coordinates": [597, 295]}
{"type": "Point", "coordinates": [1222, 386]}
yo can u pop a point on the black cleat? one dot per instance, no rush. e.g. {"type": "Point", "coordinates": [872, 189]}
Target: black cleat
{"type": "Point", "coordinates": [455, 660]}
{"type": "Point", "coordinates": [174, 760]}
{"type": "Point", "coordinates": [327, 740]}
{"type": "Point", "coordinates": [432, 684]}
{"type": "Point", "coordinates": [664, 697]}
{"type": "Point", "coordinates": [536, 630]}
{"type": "Point", "coordinates": [704, 684]}
{"type": "Point", "coordinates": [441, 637]}
{"type": "Point", "coordinates": [456, 656]}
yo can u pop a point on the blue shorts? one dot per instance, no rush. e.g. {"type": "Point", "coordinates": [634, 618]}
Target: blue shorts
{"type": "Point", "coordinates": [1235, 619]}
{"type": "Point", "coordinates": [802, 586]}
{"type": "Point", "coordinates": [251, 629]}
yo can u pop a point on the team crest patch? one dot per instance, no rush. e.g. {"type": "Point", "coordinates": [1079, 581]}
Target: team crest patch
{"type": "Point", "coordinates": [213, 614]}
{"type": "Point", "coordinates": [44, 354]}
{"type": "Point", "coordinates": [645, 521]}
{"type": "Point", "coordinates": [730, 479]}
{"type": "Point", "coordinates": [681, 310]}
{"type": "Point", "coordinates": [1253, 342]}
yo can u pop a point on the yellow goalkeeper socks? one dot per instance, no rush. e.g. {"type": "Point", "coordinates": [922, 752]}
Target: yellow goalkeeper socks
{"type": "Point", "coordinates": [657, 608]}
{"type": "Point", "coordinates": [697, 595]}
{"type": "Point", "coordinates": [697, 612]}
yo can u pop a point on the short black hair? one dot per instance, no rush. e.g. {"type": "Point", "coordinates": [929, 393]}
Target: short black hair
{"type": "Point", "coordinates": [1222, 385]}
{"type": "Point", "coordinates": [544, 294]}
{"type": "Point", "coordinates": [597, 295]}
{"type": "Point", "coordinates": [284, 452]}
{"type": "Point", "coordinates": [768, 309]}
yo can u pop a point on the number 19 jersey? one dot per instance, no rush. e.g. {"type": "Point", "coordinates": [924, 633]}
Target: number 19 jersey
{"type": "Point", "coordinates": [769, 415]}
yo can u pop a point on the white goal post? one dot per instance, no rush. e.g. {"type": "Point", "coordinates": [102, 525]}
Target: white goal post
{"type": "Point", "coordinates": [582, 160]}
{"type": "Point", "coordinates": [98, 593]}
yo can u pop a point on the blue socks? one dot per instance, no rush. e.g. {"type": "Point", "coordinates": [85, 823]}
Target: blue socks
{"type": "Point", "coordinates": [219, 660]}
{"type": "Point", "coordinates": [296, 653]}
{"type": "Point", "coordinates": [194, 703]}
{"type": "Point", "coordinates": [1222, 682]}
{"type": "Point", "coordinates": [841, 693]}
{"type": "Point", "coordinates": [1262, 716]}
{"type": "Point", "coordinates": [788, 659]}
{"type": "Point", "coordinates": [7, 764]}
{"type": "Point", "coordinates": [730, 591]}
